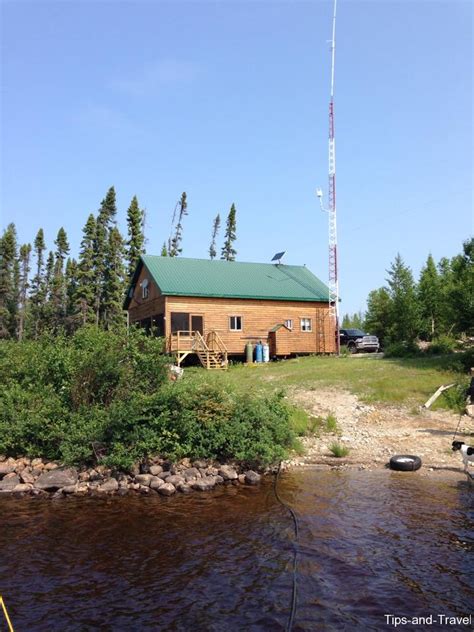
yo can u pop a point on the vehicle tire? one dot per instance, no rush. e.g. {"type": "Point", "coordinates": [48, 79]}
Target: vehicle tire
{"type": "Point", "coordinates": [351, 347]}
{"type": "Point", "coordinates": [405, 463]}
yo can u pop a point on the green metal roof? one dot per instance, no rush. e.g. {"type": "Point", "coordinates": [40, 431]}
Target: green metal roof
{"type": "Point", "coordinates": [176, 276]}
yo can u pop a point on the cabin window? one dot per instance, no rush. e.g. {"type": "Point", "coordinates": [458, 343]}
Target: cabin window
{"type": "Point", "coordinates": [145, 289]}
{"type": "Point", "coordinates": [179, 321]}
{"type": "Point", "coordinates": [306, 324]}
{"type": "Point", "coordinates": [289, 324]}
{"type": "Point", "coordinates": [235, 323]}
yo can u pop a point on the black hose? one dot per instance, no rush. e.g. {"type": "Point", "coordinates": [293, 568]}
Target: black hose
{"type": "Point", "coordinates": [289, 626]}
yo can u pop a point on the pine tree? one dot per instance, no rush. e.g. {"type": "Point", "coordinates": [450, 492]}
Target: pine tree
{"type": "Point", "coordinates": [114, 282]}
{"type": "Point", "coordinates": [164, 250]}
{"type": "Point", "coordinates": [377, 317]}
{"type": "Point", "coordinates": [9, 273]}
{"type": "Point", "coordinates": [404, 314]}
{"type": "Point", "coordinates": [38, 283]}
{"type": "Point", "coordinates": [73, 317]}
{"type": "Point", "coordinates": [215, 230]}
{"type": "Point", "coordinates": [58, 285]}
{"type": "Point", "coordinates": [175, 245]}
{"type": "Point", "coordinates": [25, 253]}
{"type": "Point", "coordinates": [86, 273]}
{"type": "Point", "coordinates": [228, 252]}
{"type": "Point", "coordinates": [136, 237]}
{"type": "Point", "coordinates": [429, 299]}
{"type": "Point", "coordinates": [105, 221]}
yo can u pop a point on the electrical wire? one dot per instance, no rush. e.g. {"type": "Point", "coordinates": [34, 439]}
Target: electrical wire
{"type": "Point", "coordinates": [291, 618]}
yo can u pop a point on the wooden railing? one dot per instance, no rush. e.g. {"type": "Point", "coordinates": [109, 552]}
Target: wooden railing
{"type": "Point", "coordinates": [181, 341]}
{"type": "Point", "coordinates": [214, 342]}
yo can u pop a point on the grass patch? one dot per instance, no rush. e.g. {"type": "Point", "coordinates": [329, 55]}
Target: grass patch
{"type": "Point", "coordinates": [331, 423]}
{"type": "Point", "coordinates": [339, 450]}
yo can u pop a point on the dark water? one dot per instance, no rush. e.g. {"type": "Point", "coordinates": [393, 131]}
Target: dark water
{"type": "Point", "coordinates": [371, 543]}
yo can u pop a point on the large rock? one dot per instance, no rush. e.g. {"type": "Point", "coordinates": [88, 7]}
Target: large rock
{"type": "Point", "coordinates": [252, 478]}
{"type": "Point", "coordinates": [191, 473]}
{"type": "Point", "coordinates": [155, 470]}
{"type": "Point", "coordinates": [143, 479]}
{"type": "Point", "coordinates": [204, 484]}
{"type": "Point", "coordinates": [111, 485]}
{"type": "Point", "coordinates": [156, 482]}
{"type": "Point", "coordinates": [167, 489]}
{"type": "Point", "coordinates": [175, 479]}
{"type": "Point", "coordinates": [27, 477]}
{"type": "Point", "coordinates": [22, 487]}
{"type": "Point", "coordinates": [6, 468]}
{"type": "Point", "coordinates": [8, 484]}
{"type": "Point", "coordinates": [228, 473]}
{"type": "Point", "coordinates": [55, 479]}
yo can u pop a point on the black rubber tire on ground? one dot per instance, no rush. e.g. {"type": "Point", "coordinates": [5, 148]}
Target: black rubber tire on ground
{"type": "Point", "coordinates": [405, 463]}
{"type": "Point", "coordinates": [351, 347]}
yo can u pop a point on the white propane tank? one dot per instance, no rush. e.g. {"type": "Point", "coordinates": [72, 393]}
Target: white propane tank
{"type": "Point", "coordinates": [266, 353]}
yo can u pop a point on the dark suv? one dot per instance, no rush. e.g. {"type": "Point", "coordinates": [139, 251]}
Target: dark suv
{"type": "Point", "coordinates": [356, 340]}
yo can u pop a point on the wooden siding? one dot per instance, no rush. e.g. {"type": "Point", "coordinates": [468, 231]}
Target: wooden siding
{"type": "Point", "coordinates": [141, 308]}
{"type": "Point", "coordinates": [258, 317]}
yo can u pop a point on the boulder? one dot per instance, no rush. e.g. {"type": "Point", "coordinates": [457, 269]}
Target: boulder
{"type": "Point", "coordinates": [228, 473]}
{"type": "Point", "coordinates": [22, 487]}
{"type": "Point", "coordinates": [200, 464]}
{"type": "Point", "coordinates": [111, 485]}
{"type": "Point", "coordinates": [175, 479]}
{"type": "Point", "coordinates": [204, 484]}
{"type": "Point", "coordinates": [191, 473]}
{"type": "Point", "coordinates": [51, 466]}
{"type": "Point", "coordinates": [218, 479]}
{"type": "Point", "coordinates": [167, 489]}
{"type": "Point", "coordinates": [252, 478]}
{"type": "Point", "coordinates": [155, 470]}
{"type": "Point", "coordinates": [156, 482]}
{"type": "Point", "coordinates": [5, 468]}
{"type": "Point", "coordinates": [69, 489]}
{"type": "Point", "coordinates": [164, 475]}
{"type": "Point", "coordinates": [37, 463]}
{"type": "Point", "coordinates": [143, 479]}
{"type": "Point", "coordinates": [27, 477]}
{"type": "Point", "coordinates": [241, 478]}
{"type": "Point", "coordinates": [184, 488]}
{"type": "Point", "coordinates": [7, 484]}
{"type": "Point", "coordinates": [51, 480]}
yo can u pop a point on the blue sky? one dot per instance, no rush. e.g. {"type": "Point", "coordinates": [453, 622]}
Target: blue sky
{"type": "Point", "coordinates": [228, 102]}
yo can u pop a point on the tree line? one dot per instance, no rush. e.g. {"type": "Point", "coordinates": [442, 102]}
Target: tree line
{"type": "Point", "coordinates": [440, 304]}
{"type": "Point", "coordinates": [47, 291]}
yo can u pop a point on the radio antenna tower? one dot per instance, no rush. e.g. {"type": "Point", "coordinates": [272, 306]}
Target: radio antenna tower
{"type": "Point", "coordinates": [331, 210]}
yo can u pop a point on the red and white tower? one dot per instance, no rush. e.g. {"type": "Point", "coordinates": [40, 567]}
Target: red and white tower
{"type": "Point", "coordinates": [331, 210]}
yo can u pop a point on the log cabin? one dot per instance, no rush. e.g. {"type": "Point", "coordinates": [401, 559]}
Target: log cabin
{"type": "Point", "coordinates": [213, 309]}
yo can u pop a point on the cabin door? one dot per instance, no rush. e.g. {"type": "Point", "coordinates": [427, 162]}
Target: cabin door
{"type": "Point", "coordinates": [197, 324]}
{"type": "Point", "coordinates": [272, 343]}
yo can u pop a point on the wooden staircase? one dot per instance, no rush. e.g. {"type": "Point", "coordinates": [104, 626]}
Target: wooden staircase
{"type": "Point", "coordinates": [210, 350]}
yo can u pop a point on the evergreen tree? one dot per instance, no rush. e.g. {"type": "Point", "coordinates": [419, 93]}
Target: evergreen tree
{"type": "Point", "coordinates": [136, 237]}
{"type": "Point", "coordinates": [228, 252]}
{"type": "Point", "coordinates": [164, 250]}
{"type": "Point", "coordinates": [353, 321]}
{"type": "Point", "coordinates": [462, 290]}
{"type": "Point", "coordinates": [58, 289]}
{"type": "Point", "coordinates": [38, 283]}
{"type": "Point", "coordinates": [175, 246]}
{"type": "Point", "coordinates": [404, 316]}
{"type": "Point", "coordinates": [429, 299]}
{"type": "Point", "coordinates": [25, 253]}
{"type": "Point", "coordinates": [9, 281]}
{"type": "Point", "coordinates": [105, 221]}
{"type": "Point", "coordinates": [215, 230]}
{"type": "Point", "coordinates": [377, 317]}
{"type": "Point", "coordinates": [73, 317]}
{"type": "Point", "coordinates": [86, 273]}
{"type": "Point", "coordinates": [114, 282]}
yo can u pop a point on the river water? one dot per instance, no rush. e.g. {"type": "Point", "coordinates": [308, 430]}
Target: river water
{"type": "Point", "coordinates": [370, 544]}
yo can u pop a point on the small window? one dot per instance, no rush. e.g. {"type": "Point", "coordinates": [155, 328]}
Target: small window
{"type": "Point", "coordinates": [235, 323]}
{"type": "Point", "coordinates": [306, 324]}
{"type": "Point", "coordinates": [289, 324]}
{"type": "Point", "coordinates": [144, 285]}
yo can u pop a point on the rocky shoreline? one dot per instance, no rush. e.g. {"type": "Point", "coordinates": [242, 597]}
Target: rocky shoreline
{"type": "Point", "coordinates": [37, 477]}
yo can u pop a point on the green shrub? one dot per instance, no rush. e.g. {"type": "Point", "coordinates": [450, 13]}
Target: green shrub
{"type": "Point", "coordinates": [455, 396]}
{"type": "Point", "coordinates": [401, 350]}
{"type": "Point", "coordinates": [442, 345]}
{"type": "Point", "coordinates": [339, 450]}
{"type": "Point", "coordinates": [331, 423]}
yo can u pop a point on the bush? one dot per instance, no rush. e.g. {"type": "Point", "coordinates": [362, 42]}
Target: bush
{"type": "Point", "coordinates": [401, 350]}
{"type": "Point", "coordinates": [106, 395]}
{"type": "Point", "coordinates": [339, 450]}
{"type": "Point", "coordinates": [442, 345]}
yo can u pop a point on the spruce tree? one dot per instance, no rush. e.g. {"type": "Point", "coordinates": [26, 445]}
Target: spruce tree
{"type": "Point", "coordinates": [59, 285]}
{"type": "Point", "coordinates": [38, 283]}
{"type": "Point", "coordinates": [72, 316]}
{"type": "Point", "coordinates": [24, 261]}
{"type": "Point", "coordinates": [86, 273]}
{"type": "Point", "coordinates": [215, 230]}
{"type": "Point", "coordinates": [377, 317]}
{"type": "Point", "coordinates": [48, 305]}
{"type": "Point", "coordinates": [404, 313]}
{"type": "Point", "coordinates": [9, 281]}
{"type": "Point", "coordinates": [429, 299]}
{"type": "Point", "coordinates": [105, 221]}
{"type": "Point", "coordinates": [175, 245]}
{"type": "Point", "coordinates": [228, 252]}
{"type": "Point", "coordinates": [164, 250]}
{"type": "Point", "coordinates": [136, 237]}
{"type": "Point", "coordinates": [114, 281]}
{"type": "Point", "coordinates": [462, 290]}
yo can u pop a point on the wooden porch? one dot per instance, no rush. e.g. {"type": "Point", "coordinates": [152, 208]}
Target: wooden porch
{"type": "Point", "coordinates": [208, 346]}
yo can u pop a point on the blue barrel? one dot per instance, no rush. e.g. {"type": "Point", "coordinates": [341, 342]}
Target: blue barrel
{"type": "Point", "coordinates": [259, 352]}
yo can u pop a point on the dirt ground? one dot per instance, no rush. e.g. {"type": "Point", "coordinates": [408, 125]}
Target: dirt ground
{"type": "Point", "coordinates": [374, 433]}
